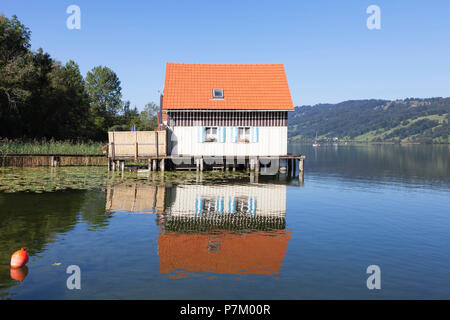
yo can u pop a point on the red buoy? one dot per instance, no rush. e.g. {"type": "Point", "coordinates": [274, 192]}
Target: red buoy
{"type": "Point", "coordinates": [19, 273]}
{"type": "Point", "coordinates": [19, 258]}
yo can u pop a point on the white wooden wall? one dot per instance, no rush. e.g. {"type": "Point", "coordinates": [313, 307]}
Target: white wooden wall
{"type": "Point", "coordinates": [272, 141]}
{"type": "Point", "coordinates": [268, 200]}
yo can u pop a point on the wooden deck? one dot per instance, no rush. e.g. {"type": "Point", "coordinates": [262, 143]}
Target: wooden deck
{"type": "Point", "coordinates": [291, 164]}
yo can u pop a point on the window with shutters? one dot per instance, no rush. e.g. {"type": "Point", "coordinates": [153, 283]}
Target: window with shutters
{"type": "Point", "coordinates": [211, 134]}
{"type": "Point", "coordinates": [244, 134]}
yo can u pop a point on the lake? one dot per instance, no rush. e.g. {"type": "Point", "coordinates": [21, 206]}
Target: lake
{"type": "Point", "coordinates": [215, 235]}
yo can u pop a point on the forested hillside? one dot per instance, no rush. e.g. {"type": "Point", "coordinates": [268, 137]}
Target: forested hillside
{"type": "Point", "coordinates": [409, 120]}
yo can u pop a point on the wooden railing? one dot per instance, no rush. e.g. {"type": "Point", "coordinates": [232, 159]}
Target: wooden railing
{"type": "Point", "coordinates": [137, 144]}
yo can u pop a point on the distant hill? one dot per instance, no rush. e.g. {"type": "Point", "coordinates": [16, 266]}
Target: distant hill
{"type": "Point", "coordinates": [409, 120]}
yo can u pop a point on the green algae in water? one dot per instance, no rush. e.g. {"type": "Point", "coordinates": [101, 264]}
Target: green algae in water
{"type": "Point", "coordinates": [45, 179]}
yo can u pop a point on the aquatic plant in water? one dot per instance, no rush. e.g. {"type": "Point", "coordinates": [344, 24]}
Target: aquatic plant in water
{"type": "Point", "coordinates": [45, 179]}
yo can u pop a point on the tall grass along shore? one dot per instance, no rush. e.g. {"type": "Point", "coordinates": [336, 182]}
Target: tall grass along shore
{"type": "Point", "coordinates": [8, 147]}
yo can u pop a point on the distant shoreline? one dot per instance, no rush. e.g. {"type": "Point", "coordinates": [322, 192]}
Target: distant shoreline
{"type": "Point", "coordinates": [364, 142]}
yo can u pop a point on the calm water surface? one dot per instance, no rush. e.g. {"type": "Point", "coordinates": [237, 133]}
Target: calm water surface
{"type": "Point", "coordinates": [273, 238]}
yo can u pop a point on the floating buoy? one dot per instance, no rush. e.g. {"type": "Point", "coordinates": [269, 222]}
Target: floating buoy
{"type": "Point", "coordinates": [19, 258]}
{"type": "Point", "coordinates": [19, 274]}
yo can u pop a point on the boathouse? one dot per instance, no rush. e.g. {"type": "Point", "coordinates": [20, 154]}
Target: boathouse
{"type": "Point", "coordinates": [238, 110]}
{"type": "Point", "coordinates": [216, 115]}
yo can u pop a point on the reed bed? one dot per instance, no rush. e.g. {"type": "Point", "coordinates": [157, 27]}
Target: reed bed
{"type": "Point", "coordinates": [49, 147]}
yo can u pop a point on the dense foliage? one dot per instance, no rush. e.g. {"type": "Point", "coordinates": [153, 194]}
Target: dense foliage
{"type": "Point", "coordinates": [409, 120]}
{"type": "Point", "coordinates": [42, 98]}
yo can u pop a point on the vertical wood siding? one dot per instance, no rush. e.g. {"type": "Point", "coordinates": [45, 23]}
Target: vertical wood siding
{"type": "Point", "coordinates": [228, 118]}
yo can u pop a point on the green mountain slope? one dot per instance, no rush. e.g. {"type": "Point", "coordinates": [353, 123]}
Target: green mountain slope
{"type": "Point", "coordinates": [409, 120]}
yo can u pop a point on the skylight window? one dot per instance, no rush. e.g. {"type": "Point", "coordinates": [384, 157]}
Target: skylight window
{"type": "Point", "coordinates": [218, 93]}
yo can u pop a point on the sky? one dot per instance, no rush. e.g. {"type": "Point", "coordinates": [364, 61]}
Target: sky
{"type": "Point", "coordinates": [327, 50]}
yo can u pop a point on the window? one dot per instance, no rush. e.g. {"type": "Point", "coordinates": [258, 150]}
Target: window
{"type": "Point", "coordinates": [218, 93]}
{"type": "Point", "coordinates": [244, 134]}
{"type": "Point", "coordinates": [211, 134]}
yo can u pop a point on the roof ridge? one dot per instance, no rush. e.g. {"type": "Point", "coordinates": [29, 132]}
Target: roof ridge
{"type": "Point", "coordinates": [225, 64]}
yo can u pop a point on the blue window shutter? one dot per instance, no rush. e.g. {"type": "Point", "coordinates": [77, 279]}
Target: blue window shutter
{"type": "Point", "coordinates": [199, 134]}
{"type": "Point", "coordinates": [256, 135]}
{"type": "Point", "coordinates": [235, 134]}
{"type": "Point", "coordinates": [196, 206]}
{"type": "Point", "coordinates": [200, 209]}
{"type": "Point", "coordinates": [231, 205]}
{"type": "Point", "coordinates": [253, 205]}
{"type": "Point", "coordinates": [223, 135]}
{"type": "Point", "coordinates": [203, 134]}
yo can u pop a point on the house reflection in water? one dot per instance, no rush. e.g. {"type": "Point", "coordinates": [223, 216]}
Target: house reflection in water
{"type": "Point", "coordinates": [219, 229]}
{"type": "Point", "coordinates": [231, 229]}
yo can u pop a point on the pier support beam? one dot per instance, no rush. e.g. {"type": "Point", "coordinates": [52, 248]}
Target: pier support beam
{"type": "Point", "coordinates": [201, 164]}
{"type": "Point", "coordinates": [161, 165]}
{"type": "Point", "coordinates": [301, 178]}
{"type": "Point", "coordinates": [155, 165]}
{"type": "Point", "coordinates": [149, 164]}
{"type": "Point", "coordinates": [54, 161]}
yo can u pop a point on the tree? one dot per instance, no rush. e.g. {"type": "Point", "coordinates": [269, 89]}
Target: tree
{"type": "Point", "coordinates": [16, 69]}
{"type": "Point", "coordinates": [151, 109]}
{"type": "Point", "coordinates": [149, 115]}
{"type": "Point", "coordinates": [103, 88]}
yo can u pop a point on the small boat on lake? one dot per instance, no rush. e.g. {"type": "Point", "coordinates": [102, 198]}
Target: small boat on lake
{"type": "Point", "coordinates": [315, 144]}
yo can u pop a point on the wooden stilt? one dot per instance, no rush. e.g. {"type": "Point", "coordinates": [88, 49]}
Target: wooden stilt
{"type": "Point", "coordinates": [201, 164]}
{"type": "Point", "coordinates": [300, 178]}
{"type": "Point", "coordinates": [294, 164]}
{"type": "Point", "coordinates": [252, 164]}
{"type": "Point", "coordinates": [257, 164]}
{"type": "Point", "coordinates": [149, 164]}
{"type": "Point", "coordinates": [155, 168]}
{"type": "Point", "coordinates": [161, 165]}
{"type": "Point", "coordinates": [300, 165]}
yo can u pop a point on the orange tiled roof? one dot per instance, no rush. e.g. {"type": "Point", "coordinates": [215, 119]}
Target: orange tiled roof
{"type": "Point", "coordinates": [245, 86]}
{"type": "Point", "coordinates": [250, 253]}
